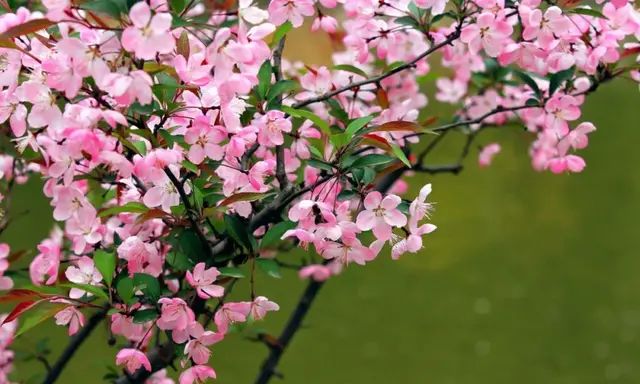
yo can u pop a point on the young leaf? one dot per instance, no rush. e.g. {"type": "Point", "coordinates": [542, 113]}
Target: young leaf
{"type": "Point", "coordinates": [37, 316]}
{"type": "Point", "coordinates": [372, 160]}
{"type": "Point", "coordinates": [588, 12]}
{"type": "Point", "coordinates": [231, 272]}
{"type": "Point", "coordinates": [558, 78]}
{"type": "Point", "coordinates": [395, 148]}
{"type": "Point", "coordinates": [274, 233]}
{"type": "Point", "coordinates": [280, 32]}
{"type": "Point", "coordinates": [357, 125]}
{"type": "Point", "coordinates": [282, 86]}
{"type": "Point", "coordinates": [145, 316]}
{"type": "Point", "coordinates": [270, 267]}
{"type": "Point", "coordinates": [148, 284]}
{"type": "Point", "coordinates": [241, 196]}
{"type": "Point", "coordinates": [238, 231]}
{"type": "Point", "coordinates": [18, 295]}
{"type": "Point", "coordinates": [19, 310]}
{"type": "Point", "coordinates": [106, 264]}
{"type": "Point", "coordinates": [132, 206]}
{"type": "Point", "coordinates": [530, 82]}
{"type": "Point", "coordinates": [303, 113]}
{"type": "Point", "coordinates": [26, 28]}
{"type": "Point", "coordinates": [350, 68]}
{"type": "Point", "coordinates": [264, 78]}
{"type": "Point", "coordinates": [94, 290]}
{"type": "Point", "coordinates": [397, 126]}
{"type": "Point", "coordinates": [124, 287]}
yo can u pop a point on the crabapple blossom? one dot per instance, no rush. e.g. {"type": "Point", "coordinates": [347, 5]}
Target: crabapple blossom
{"type": "Point", "coordinates": [132, 359]}
{"type": "Point", "coordinates": [183, 148]}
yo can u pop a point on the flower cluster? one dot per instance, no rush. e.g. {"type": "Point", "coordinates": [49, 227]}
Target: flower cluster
{"type": "Point", "coordinates": [181, 152]}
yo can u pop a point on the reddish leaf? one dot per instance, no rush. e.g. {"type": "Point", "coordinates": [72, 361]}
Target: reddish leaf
{"type": "Point", "coordinates": [26, 28]}
{"type": "Point", "coordinates": [19, 310]}
{"type": "Point", "coordinates": [383, 99]}
{"type": "Point", "coordinates": [16, 255]}
{"type": "Point", "coordinates": [20, 295]}
{"type": "Point", "coordinates": [182, 45]}
{"type": "Point", "coordinates": [151, 214]}
{"type": "Point", "coordinates": [376, 141]}
{"type": "Point", "coordinates": [399, 125]}
{"type": "Point", "coordinates": [241, 196]}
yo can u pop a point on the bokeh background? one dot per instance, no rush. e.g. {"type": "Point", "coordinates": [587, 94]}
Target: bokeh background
{"type": "Point", "coordinates": [530, 278]}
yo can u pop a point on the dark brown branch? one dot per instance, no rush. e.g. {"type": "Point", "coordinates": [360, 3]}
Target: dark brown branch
{"type": "Point", "coordinates": [281, 173]}
{"type": "Point", "coordinates": [72, 347]}
{"type": "Point", "coordinates": [376, 79]}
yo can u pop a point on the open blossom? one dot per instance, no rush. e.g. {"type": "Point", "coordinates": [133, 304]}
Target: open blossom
{"type": "Point", "coordinates": [197, 374]}
{"type": "Point", "coordinates": [202, 280]}
{"type": "Point", "coordinates": [70, 317]}
{"type": "Point", "coordinates": [381, 215]}
{"type": "Point", "coordinates": [84, 272]}
{"type": "Point", "coordinates": [230, 313]}
{"type": "Point", "coordinates": [175, 314]}
{"type": "Point", "coordinates": [487, 153]}
{"type": "Point", "coordinates": [149, 35]}
{"type": "Point", "coordinates": [132, 359]}
{"type": "Point", "coordinates": [204, 140]}
{"type": "Point", "coordinates": [490, 33]}
{"type": "Point", "coordinates": [271, 128]}
{"type": "Point", "coordinates": [197, 348]}
{"type": "Point", "coordinates": [260, 306]}
{"type": "Point", "coordinates": [5, 281]}
{"type": "Point", "coordinates": [292, 10]}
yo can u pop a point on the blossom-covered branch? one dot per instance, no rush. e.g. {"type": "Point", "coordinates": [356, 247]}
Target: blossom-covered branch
{"type": "Point", "coordinates": [182, 151]}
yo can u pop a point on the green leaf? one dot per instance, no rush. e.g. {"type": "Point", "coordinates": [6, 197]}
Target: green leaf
{"type": "Point", "coordinates": [282, 86]}
{"type": "Point", "coordinates": [37, 316]}
{"type": "Point", "coordinates": [319, 164]}
{"type": "Point", "coordinates": [124, 287]}
{"type": "Point", "coordinates": [190, 166]}
{"type": "Point", "coordinates": [113, 8]}
{"type": "Point", "coordinates": [530, 82]}
{"type": "Point", "coordinates": [346, 194]}
{"type": "Point", "coordinates": [280, 32]}
{"type": "Point", "coordinates": [231, 272]}
{"type": "Point", "coordinates": [106, 264]}
{"type": "Point", "coordinates": [408, 21]}
{"type": "Point", "coordinates": [238, 231]}
{"type": "Point", "coordinates": [264, 78]}
{"type": "Point", "coordinates": [372, 160]}
{"type": "Point", "coordinates": [270, 267]}
{"type": "Point", "coordinates": [145, 316]}
{"type": "Point", "coordinates": [95, 290]}
{"type": "Point", "coordinates": [339, 140]}
{"type": "Point", "coordinates": [274, 233]}
{"type": "Point", "coordinates": [303, 113]}
{"type": "Point", "coordinates": [588, 12]}
{"type": "Point", "coordinates": [357, 125]}
{"type": "Point", "coordinates": [400, 154]}
{"type": "Point", "coordinates": [350, 68]}
{"type": "Point", "coordinates": [177, 6]}
{"type": "Point", "coordinates": [132, 206]}
{"type": "Point", "coordinates": [558, 78]}
{"type": "Point", "coordinates": [148, 284]}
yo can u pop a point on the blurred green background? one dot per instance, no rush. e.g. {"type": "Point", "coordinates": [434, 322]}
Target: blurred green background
{"type": "Point", "coordinates": [530, 278]}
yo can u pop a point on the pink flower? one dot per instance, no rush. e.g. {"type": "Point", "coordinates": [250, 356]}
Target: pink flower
{"type": "Point", "coordinates": [381, 215]}
{"type": "Point", "coordinates": [270, 128]}
{"type": "Point", "coordinates": [231, 313]}
{"type": "Point", "coordinates": [132, 359]}
{"type": "Point", "coordinates": [292, 10]}
{"type": "Point", "coordinates": [202, 280]}
{"type": "Point", "coordinates": [197, 347]}
{"type": "Point", "coordinates": [487, 153]}
{"type": "Point", "coordinates": [568, 163]}
{"type": "Point", "coordinates": [315, 271]}
{"type": "Point", "coordinates": [140, 256]}
{"type": "Point", "coordinates": [489, 32]}
{"type": "Point", "coordinates": [437, 6]}
{"type": "Point", "coordinates": [350, 250]}
{"type": "Point", "coordinates": [450, 91]}
{"type": "Point", "coordinates": [197, 374]}
{"type": "Point", "coordinates": [260, 306]}
{"type": "Point", "coordinates": [545, 28]}
{"type": "Point", "coordinates": [175, 314]}
{"type": "Point", "coordinates": [159, 377]}
{"type": "Point", "coordinates": [84, 273]}
{"type": "Point", "coordinates": [561, 108]}
{"type": "Point", "coordinates": [164, 193]}
{"type": "Point", "coordinates": [72, 317]}
{"type": "Point", "coordinates": [149, 35]}
{"type": "Point", "coordinates": [413, 242]}
{"type": "Point", "coordinates": [204, 140]}
{"type": "Point", "coordinates": [577, 138]}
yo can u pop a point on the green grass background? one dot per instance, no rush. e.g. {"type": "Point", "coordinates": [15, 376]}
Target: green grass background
{"type": "Point", "coordinates": [530, 278]}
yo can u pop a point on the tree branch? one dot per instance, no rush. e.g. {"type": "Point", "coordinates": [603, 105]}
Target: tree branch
{"type": "Point", "coordinates": [376, 79]}
{"type": "Point", "coordinates": [268, 368]}
{"type": "Point", "coordinates": [74, 344]}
